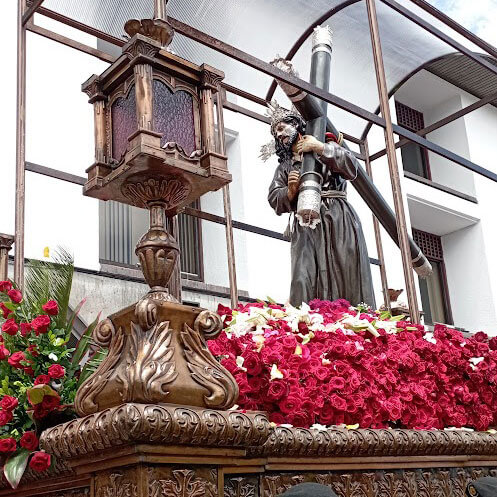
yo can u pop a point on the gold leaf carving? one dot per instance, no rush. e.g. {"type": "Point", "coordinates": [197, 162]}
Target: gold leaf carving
{"type": "Point", "coordinates": [206, 371]}
{"type": "Point", "coordinates": [118, 487]}
{"type": "Point", "coordinates": [106, 336]}
{"type": "Point", "coordinates": [150, 366]}
{"type": "Point", "coordinates": [183, 484]}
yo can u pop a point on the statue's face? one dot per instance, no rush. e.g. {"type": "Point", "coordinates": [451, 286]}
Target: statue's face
{"type": "Point", "coordinates": [286, 134]}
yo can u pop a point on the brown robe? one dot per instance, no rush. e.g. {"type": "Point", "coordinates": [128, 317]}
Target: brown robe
{"type": "Point", "coordinates": [331, 261]}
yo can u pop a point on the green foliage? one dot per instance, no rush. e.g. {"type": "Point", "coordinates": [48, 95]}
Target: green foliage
{"type": "Point", "coordinates": [50, 280]}
{"type": "Point", "coordinates": [15, 466]}
{"type": "Point", "coordinates": [42, 356]}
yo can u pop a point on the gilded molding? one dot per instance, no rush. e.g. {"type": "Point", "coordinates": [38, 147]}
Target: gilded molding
{"type": "Point", "coordinates": [156, 424]}
{"type": "Point", "coordinates": [443, 482]}
{"type": "Point", "coordinates": [380, 442]}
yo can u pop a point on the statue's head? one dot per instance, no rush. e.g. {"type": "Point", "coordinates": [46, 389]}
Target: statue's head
{"type": "Point", "coordinates": [286, 130]}
{"type": "Point", "coordinates": [286, 125]}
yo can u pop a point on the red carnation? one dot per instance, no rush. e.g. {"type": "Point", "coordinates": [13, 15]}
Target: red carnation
{"type": "Point", "coordinates": [4, 353]}
{"type": "Point", "coordinates": [5, 417]}
{"type": "Point", "coordinates": [40, 461]}
{"type": "Point", "coordinates": [42, 379]}
{"type": "Point", "coordinates": [9, 403]}
{"type": "Point", "coordinates": [15, 360]}
{"type": "Point", "coordinates": [5, 310]}
{"type": "Point", "coordinates": [5, 286]}
{"type": "Point", "coordinates": [29, 440]}
{"type": "Point", "coordinates": [7, 445]}
{"type": "Point", "coordinates": [56, 371]}
{"type": "Point", "coordinates": [51, 308]}
{"type": "Point", "coordinates": [40, 324]}
{"type": "Point", "coordinates": [10, 327]}
{"type": "Point", "coordinates": [50, 402]}
{"type": "Point", "coordinates": [25, 329]}
{"type": "Point", "coordinates": [15, 296]}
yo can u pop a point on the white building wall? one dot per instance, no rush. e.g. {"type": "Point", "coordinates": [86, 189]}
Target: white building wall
{"type": "Point", "coordinates": [59, 135]}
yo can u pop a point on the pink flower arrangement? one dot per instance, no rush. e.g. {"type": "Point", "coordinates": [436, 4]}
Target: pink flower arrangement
{"type": "Point", "coordinates": [331, 364]}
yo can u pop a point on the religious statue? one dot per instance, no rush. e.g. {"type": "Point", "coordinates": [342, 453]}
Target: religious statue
{"type": "Point", "coordinates": [329, 261]}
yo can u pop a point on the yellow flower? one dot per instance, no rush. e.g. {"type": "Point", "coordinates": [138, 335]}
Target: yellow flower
{"type": "Point", "coordinates": [298, 350]}
{"type": "Point", "coordinates": [46, 252]}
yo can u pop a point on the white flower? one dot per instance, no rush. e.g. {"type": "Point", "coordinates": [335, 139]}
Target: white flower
{"type": "Point", "coordinates": [259, 340]}
{"type": "Point", "coordinates": [389, 326]}
{"type": "Point", "coordinates": [318, 427]}
{"type": "Point", "coordinates": [357, 324]}
{"type": "Point", "coordinates": [474, 361]}
{"type": "Point", "coordinates": [276, 374]}
{"type": "Point", "coordinates": [430, 338]}
{"type": "Point", "coordinates": [52, 356]}
{"type": "Point", "coordinates": [239, 362]}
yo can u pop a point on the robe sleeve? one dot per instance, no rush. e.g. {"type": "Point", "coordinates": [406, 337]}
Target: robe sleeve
{"type": "Point", "coordinates": [278, 192]}
{"type": "Point", "coordinates": [340, 160]}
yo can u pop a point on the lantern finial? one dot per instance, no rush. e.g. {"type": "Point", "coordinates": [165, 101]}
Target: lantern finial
{"type": "Point", "coordinates": [157, 28]}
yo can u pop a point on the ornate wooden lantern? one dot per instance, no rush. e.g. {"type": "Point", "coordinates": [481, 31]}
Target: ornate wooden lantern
{"type": "Point", "coordinates": [155, 148]}
{"type": "Point", "coordinates": [155, 141]}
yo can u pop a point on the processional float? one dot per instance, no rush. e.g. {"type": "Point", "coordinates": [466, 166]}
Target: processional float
{"type": "Point", "coordinates": [158, 416]}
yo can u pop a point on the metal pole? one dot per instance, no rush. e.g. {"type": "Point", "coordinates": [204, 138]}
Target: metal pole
{"type": "Point", "coordinates": [160, 9]}
{"type": "Point", "coordinates": [29, 13]}
{"type": "Point", "coordinates": [20, 147]}
{"type": "Point", "coordinates": [392, 161]}
{"type": "Point", "coordinates": [230, 244]}
{"type": "Point", "coordinates": [377, 234]}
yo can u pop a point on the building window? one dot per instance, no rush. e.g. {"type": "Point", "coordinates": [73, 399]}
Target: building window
{"type": "Point", "coordinates": [434, 291]}
{"type": "Point", "coordinates": [121, 226]}
{"type": "Point", "coordinates": [414, 157]}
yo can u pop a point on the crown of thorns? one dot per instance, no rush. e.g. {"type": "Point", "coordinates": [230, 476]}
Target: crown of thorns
{"type": "Point", "coordinates": [278, 114]}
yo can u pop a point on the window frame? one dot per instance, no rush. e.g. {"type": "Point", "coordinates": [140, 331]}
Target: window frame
{"type": "Point", "coordinates": [400, 109]}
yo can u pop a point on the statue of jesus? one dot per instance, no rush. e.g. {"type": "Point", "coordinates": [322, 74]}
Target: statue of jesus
{"type": "Point", "coordinates": [330, 261]}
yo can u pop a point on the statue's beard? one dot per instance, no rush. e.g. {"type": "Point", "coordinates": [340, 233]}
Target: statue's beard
{"type": "Point", "coordinates": [285, 145]}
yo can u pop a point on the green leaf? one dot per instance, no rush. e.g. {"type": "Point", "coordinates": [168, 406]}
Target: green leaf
{"type": "Point", "coordinates": [401, 317]}
{"type": "Point", "coordinates": [15, 466]}
{"type": "Point", "coordinates": [49, 280]}
{"type": "Point", "coordinates": [84, 342]}
{"type": "Point", "coordinates": [36, 393]}
{"type": "Point", "coordinates": [91, 366]}
{"type": "Point", "coordinates": [270, 300]}
{"type": "Point", "coordinates": [70, 323]}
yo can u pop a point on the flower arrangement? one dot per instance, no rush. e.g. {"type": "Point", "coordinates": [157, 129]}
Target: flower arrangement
{"type": "Point", "coordinates": [39, 373]}
{"type": "Point", "coordinates": [328, 363]}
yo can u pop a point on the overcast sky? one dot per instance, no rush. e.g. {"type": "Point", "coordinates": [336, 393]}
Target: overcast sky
{"type": "Point", "coordinates": [479, 16]}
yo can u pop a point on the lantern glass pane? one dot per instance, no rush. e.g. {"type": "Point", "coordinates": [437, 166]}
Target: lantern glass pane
{"type": "Point", "coordinates": [123, 115]}
{"type": "Point", "coordinates": [173, 116]}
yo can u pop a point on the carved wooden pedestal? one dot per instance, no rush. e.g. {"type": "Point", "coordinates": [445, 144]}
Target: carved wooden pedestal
{"type": "Point", "coordinates": [139, 450]}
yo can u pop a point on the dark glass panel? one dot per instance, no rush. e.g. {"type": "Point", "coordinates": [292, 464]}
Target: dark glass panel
{"type": "Point", "coordinates": [123, 115]}
{"type": "Point", "coordinates": [413, 160]}
{"type": "Point", "coordinates": [173, 116]}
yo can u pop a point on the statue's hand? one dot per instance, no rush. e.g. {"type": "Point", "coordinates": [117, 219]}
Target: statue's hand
{"type": "Point", "coordinates": [309, 143]}
{"type": "Point", "coordinates": [293, 184]}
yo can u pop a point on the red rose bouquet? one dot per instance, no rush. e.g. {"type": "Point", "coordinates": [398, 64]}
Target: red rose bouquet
{"type": "Point", "coordinates": [330, 364]}
{"type": "Point", "coordinates": [39, 373]}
